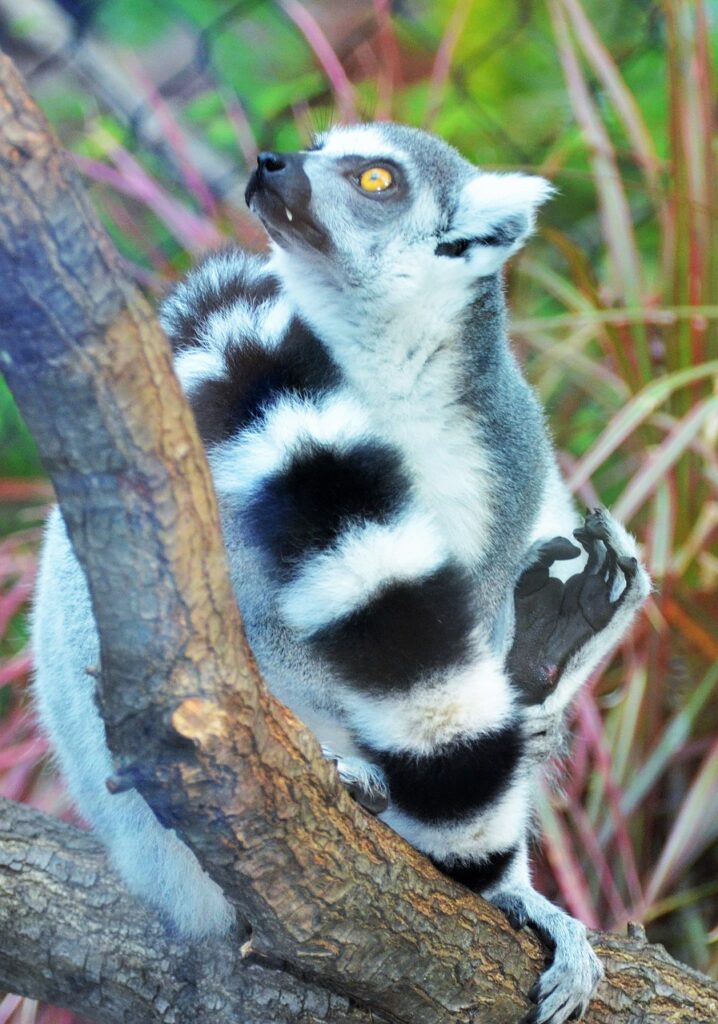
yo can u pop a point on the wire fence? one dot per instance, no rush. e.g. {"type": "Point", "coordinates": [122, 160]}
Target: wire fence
{"type": "Point", "coordinates": [57, 42]}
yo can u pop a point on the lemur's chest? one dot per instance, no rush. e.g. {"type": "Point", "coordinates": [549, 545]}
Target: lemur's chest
{"type": "Point", "coordinates": [416, 404]}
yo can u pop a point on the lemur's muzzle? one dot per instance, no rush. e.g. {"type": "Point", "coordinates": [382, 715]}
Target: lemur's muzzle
{"type": "Point", "coordinates": [282, 174]}
{"type": "Point", "coordinates": [280, 192]}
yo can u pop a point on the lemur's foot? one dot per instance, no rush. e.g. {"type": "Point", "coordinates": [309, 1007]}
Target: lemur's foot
{"type": "Point", "coordinates": [556, 620]}
{"type": "Point", "coordinates": [564, 990]}
{"type": "Point", "coordinates": [363, 781]}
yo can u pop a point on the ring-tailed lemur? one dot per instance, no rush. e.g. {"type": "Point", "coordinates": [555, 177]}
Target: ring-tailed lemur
{"type": "Point", "coordinates": [393, 516]}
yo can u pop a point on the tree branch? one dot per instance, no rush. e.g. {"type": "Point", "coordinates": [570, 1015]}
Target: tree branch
{"type": "Point", "coordinates": [328, 890]}
{"type": "Point", "coordinates": [74, 937]}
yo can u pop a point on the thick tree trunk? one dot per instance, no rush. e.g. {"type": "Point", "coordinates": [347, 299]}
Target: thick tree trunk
{"type": "Point", "coordinates": [336, 902]}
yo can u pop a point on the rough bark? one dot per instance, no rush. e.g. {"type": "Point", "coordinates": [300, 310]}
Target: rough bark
{"type": "Point", "coordinates": [70, 930]}
{"type": "Point", "coordinates": [335, 898]}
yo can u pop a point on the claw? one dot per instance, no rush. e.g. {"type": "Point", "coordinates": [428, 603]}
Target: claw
{"type": "Point", "coordinates": [597, 525]}
{"type": "Point", "coordinates": [518, 919]}
{"type": "Point", "coordinates": [628, 565]}
{"type": "Point", "coordinates": [590, 543]}
{"type": "Point", "coordinates": [374, 803]}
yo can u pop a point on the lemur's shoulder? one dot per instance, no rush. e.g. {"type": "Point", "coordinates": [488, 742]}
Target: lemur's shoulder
{"type": "Point", "coordinates": [239, 344]}
{"type": "Point", "coordinates": [221, 282]}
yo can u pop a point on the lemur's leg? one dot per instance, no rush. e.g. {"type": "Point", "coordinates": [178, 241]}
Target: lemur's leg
{"type": "Point", "coordinates": [563, 630]}
{"type": "Point", "coordinates": [363, 780]}
{"type": "Point", "coordinates": [565, 988]}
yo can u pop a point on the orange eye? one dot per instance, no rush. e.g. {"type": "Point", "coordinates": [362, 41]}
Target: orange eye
{"type": "Point", "coordinates": [376, 179]}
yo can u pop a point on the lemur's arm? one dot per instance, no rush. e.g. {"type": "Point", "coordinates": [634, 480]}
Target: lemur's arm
{"type": "Point", "coordinates": [565, 627]}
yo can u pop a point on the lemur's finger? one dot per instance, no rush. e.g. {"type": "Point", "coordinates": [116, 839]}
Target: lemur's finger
{"type": "Point", "coordinates": [535, 577]}
{"type": "Point", "coordinates": [559, 549]}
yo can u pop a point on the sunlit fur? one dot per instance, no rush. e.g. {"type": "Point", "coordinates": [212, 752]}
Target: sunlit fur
{"type": "Point", "coordinates": [384, 476]}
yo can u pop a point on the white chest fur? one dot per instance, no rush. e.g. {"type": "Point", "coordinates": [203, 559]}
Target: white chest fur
{"type": "Point", "coordinates": [411, 394]}
{"type": "Point", "coordinates": [402, 360]}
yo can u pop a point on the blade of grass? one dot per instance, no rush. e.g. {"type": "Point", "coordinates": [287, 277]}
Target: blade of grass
{"type": "Point", "coordinates": [627, 721]}
{"type": "Point", "coordinates": [663, 459]}
{"type": "Point", "coordinates": [671, 741]}
{"type": "Point", "coordinates": [680, 899]}
{"type": "Point", "coordinates": [608, 793]}
{"type": "Point", "coordinates": [389, 76]}
{"type": "Point", "coordinates": [614, 210]}
{"type": "Point", "coordinates": [662, 527]}
{"type": "Point", "coordinates": [194, 234]}
{"type": "Point", "coordinates": [593, 853]}
{"type": "Point", "coordinates": [174, 136]}
{"type": "Point", "coordinates": [564, 863]}
{"type": "Point", "coordinates": [8, 1006]}
{"type": "Point", "coordinates": [698, 540]}
{"type": "Point", "coordinates": [634, 413]}
{"type": "Point", "coordinates": [15, 668]}
{"type": "Point", "coordinates": [621, 96]}
{"type": "Point", "coordinates": [666, 315]}
{"type": "Point", "coordinates": [246, 142]}
{"type": "Point", "coordinates": [695, 827]}
{"type": "Point", "coordinates": [444, 56]}
{"type": "Point", "coordinates": [323, 51]}
{"type": "Point", "coordinates": [566, 358]}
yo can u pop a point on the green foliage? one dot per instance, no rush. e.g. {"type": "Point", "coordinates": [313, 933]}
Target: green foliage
{"type": "Point", "coordinates": [18, 454]}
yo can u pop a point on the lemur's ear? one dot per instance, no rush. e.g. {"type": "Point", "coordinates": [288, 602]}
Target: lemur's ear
{"type": "Point", "coordinates": [495, 214]}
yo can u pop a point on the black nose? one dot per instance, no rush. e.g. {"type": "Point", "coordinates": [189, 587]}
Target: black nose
{"type": "Point", "coordinates": [270, 163]}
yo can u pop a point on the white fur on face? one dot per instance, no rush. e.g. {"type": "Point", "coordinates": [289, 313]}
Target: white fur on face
{"type": "Point", "coordinates": [360, 141]}
{"type": "Point", "coordinates": [367, 558]}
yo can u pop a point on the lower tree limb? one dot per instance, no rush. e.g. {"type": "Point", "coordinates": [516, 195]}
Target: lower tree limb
{"type": "Point", "coordinates": [71, 935]}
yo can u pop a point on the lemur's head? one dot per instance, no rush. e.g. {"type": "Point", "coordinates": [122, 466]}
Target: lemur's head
{"type": "Point", "coordinates": [386, 208]}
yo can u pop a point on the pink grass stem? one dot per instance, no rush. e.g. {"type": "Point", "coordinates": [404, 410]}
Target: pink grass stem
{"type": "Point", "coordinates": [13, 599]}
{"type": "Point", "coordinates": [15, 668]}
{"type": "Point", "coordinates": [444, 57]}
{"type": "Point", "coordinates": [244, 135]}
{"type": "Point", "coordinates": [176, 140]}
{"type": "Point", "coordinates": [8, 1006]}
{"type": "Point", "coordinates": [592, 727]}
{"type": "Point", "coordinates": [325, 54]}
{"type": "Point", "coordinates": [25, 490]}
{"type": "Point", "coordinates": [389, 76]}
{"type": "Point", "coordinates": [604, 871]}
{"type": "Point", "coordinates": [567, 871]}
{"type": "Point", "coordinates": [194, 233]}
{"type": "Point", "coordinates": [28, 752]}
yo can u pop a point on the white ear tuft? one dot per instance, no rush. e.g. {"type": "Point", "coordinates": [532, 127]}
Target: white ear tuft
{"type": "Point", "coordinates": [494, 197]}
{"type": "Point", "coordinates": [498, 212]}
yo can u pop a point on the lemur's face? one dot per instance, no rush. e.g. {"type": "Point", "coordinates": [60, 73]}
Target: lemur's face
{"type": "Point", "coordinates": [384, 206]}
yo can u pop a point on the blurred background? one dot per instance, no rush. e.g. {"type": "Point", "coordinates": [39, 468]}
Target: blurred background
{"type": "Point", "coordinates": [163, 107]}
